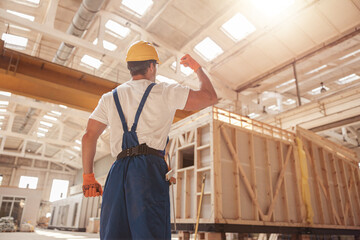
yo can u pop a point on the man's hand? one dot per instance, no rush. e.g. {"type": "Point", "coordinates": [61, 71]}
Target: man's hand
{"type": "Point", "coordinates": [91, 187]}
{"type": "Point", "coordinates": [188, 61]}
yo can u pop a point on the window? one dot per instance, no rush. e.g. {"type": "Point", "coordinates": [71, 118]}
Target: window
{"type": "Point", "coordinates": [185, 70]}
{"type": "Point", "coordinates": [139, 7]}
{"type": "Point", "coordinates": [121, 31]}
{"type": "Point", "coordinates": [238, 27]}
{"type": "Point", "coordinates": [1, 178]}
{"type": "Point", "coordinates": [15, 42]}
{"type": "Point", "coordinates": [208, 49]}
{"type": "Point", "coordinates": [28, 182]}
{"type": "Point", "coordinates": [59, 189]}
{"type": "Point", "coordinates": [91, 61]}
{"type": "Point", "coordinates": [107, 45]}
{"type": "Point", "coordinates": [12, 207]}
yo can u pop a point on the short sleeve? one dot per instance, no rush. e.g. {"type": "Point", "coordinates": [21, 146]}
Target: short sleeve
{"type": "Point", "coordinates": [175, 96]}
{"type": "Point", "coordinates": [100, 112]}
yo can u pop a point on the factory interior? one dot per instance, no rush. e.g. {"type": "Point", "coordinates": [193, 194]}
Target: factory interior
{"type": "Point", "coordinates": [277, 157]}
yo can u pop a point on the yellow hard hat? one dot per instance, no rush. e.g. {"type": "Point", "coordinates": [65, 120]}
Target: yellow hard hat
{"type": "Point", "coordinates": [142, 51]}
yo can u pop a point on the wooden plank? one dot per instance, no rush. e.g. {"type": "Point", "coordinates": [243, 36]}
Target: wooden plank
{"type": "Point", "coordinates": [356, 191]}
{"type": "Point", "coordinates": [310, 153]}
{"type": "Point", "coordinates": [217, 172]}
{"type": "Point", "coordinates": [332, 211]}
{"type": "Point", "coordinates": [337, 189]}
{"type": "Point", "coordinates": [253, 173]}
{"type": "Point", "coordinates": [269, 176]}
{"type": "Point", "coordinates": [279, 183]}
{"type": "Point", "coordinates": [285, 198]}
{"type": "Point", "coordinates": [187, 194]}
{"type": "Point", "coordinates": [242, 172]}
{"type": "Point", "coordinates": [301, 211]}
{"type": "Point", "coordinates": [237, 178]}
{"type": "Point", "coordinates": [345, 178]}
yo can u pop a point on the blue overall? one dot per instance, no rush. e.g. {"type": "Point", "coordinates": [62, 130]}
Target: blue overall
{"type": "Point", "coordinates": [136, 201]}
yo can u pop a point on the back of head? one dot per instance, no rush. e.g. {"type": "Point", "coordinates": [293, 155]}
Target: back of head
{"type": "Point", "coordinates": [139, 57]}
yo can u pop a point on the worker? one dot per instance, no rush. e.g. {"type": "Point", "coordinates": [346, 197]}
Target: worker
{"type": "Point", "coordinates": [135, 203]}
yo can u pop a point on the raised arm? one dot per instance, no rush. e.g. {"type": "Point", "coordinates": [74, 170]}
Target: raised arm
{"type": "Point", "coordinates": [206, 95]}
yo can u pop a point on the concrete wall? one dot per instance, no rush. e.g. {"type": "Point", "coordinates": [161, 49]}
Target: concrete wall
{"type": "Point", "coordinates": [32, 201]}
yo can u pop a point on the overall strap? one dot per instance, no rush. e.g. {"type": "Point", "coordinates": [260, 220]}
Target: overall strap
{"type": "Point", "coordinates": [120, 111]}
{"type": "Point", "coordinates": [141, 106]}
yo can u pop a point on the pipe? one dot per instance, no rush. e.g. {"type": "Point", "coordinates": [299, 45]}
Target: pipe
{"type": "Point", "coordinates": [79, 24]}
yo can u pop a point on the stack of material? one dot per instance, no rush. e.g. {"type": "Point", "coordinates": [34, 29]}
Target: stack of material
{"type": "Point", "coordinates": [26, 227]}
{"type": "Point", "coordinates": [7, 224]}
{"type": "Point", "coordinates": [94, 225]}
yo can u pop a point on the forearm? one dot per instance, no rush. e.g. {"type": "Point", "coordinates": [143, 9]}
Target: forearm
{"type": "Point", "coordinates": [88, 152]}
{"type": "Point", "coordinates": [206, 86]}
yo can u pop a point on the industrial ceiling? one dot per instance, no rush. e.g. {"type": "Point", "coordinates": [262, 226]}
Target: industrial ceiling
{"type": "Point", "coordinates": [282, 62]}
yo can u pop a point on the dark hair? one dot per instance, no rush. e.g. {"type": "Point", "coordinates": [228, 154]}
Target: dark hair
{"type": "Point", "coordinates": [139, 67]}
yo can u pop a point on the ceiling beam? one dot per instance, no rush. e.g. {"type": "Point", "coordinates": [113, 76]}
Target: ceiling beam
{"type": "Point", "coordinates": [337, 124]}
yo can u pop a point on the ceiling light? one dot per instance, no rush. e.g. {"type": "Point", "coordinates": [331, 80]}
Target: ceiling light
{"type": "Point", "coordinates": [117, 28]}
{"type": "Point", "coordinates": [286, 83]}
{"type": "Point", "coordinates": [348, 79]}
{"type": "Point", "coordinates": [20, 28]}
{"type": "Point", "coordinates": [208, 49]}
{"type": "Point", "coordinates": [322, 89]}
{"type": "Point", "coordinates": [92, 62]}
{"type": "Point", "coordinates": [50, 118]}
{"type": "Point", "coordinates": [316, 69]}
{"type": "Point", "coordinates": [238, 27]}
{"type": "Point", "coordinates": [185, 70]}
{"type": "Point", "coordinates": [253, 115]}
{"type": "Point", "coordinates": [289, 101]}
{"type": "Point", "coordinates": [13, 41]}
{"type": "Point", "coordinates": [4, 103]}
{"type": "Point", "coordinates": [107, 45]}
{"type": "Point", "coordinates": [138, 6]}
{"type": "Point", "coordinates": [34, 1]}
{"type": "Point", "coordinates": [350, 54]}
{"type": "Point", "coordinates": [3, 110]}
{"type": "Point", "coordinates": [28, 17]}
{"type": "Point", "coordinates": [78, 141]}
{"type": "Point", "coordinates": [8, 94]}
{"type": "Point", "coordinates": [63, 106]}
{"type": "Point", "coordinates": [318, 90]}
{"type": "Point", "coordinates": [43, 129]}
{"type": "Point", "coordinates": [46, 124]}
{"type": "Point", "coordinates": [56, 112]}
{"type": "Point", "coordinates": [161, 78]}
{"type": "Point", "coordinates": [272, 7]}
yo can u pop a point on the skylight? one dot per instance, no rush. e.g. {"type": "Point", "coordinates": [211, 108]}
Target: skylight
{"type": "Point", "coordinates": [43, 129]}
{"type": "Point", "coordinates": [40, 134]}
{"type": "Point", "coordinates": [46, 123]}
{"type": "Point", "coordinates": [2, 110]}
{"type": "Point", "coordinates": [20, 28]}
{"type": "Point", "coordinates": [78, 141]}
{"type": "Point", "coordinates": [4, 103]}
{"type": "Point", "coordinates": [77, 148]}
{"type": "Point", "coordinates": [63, 106]}
{"type": "Point", "coordinates": [2, 117]}
{"type": "Point", "coordinates": [208, 49]}
{"type": "Point", "coordinates": [161, 78]}
{"type": "Point", "coordinates": [7, 94]}
{"type": "Point", "coordinates": [50, 118]}
{"type": "Point", "coordinates": [317, 90]}
{"type": "Point", "coordinates": [286, 83]}
{"type": "Point", "coordinates": [28, 17]}
{"type": "Point", "coordinates": [253, 115]}
{"type": "Point", "coordinates": [289, 101]}
{"type": "Point", "coordinates": [316, 69]}
{"type": "Point", "coordinates": [92, 62]}
{"type": "Point", "coordinates": [56, 112]}
{"type": "Point", "coordinates": [139, 6]}
{"type": "Point", "coordinates": [348, 79]}
{"type": "Point", "coordinates": [13, 41]}
{"type": "Point", "coordinates": [185, 70]}
{"type": "Point", "coordinates": [107, 45]}
{"type": "Point", "coordinates": [117, 28]}
{"type": "Point", "coordinates": [272, 7]}
{"type": "Point", "coordinates": [273, 107]}
{"type": "Point", "coordinates": [238, 27]}
{"type": "Point", "coordinates": [34, 1]}
{"type": "Point", "coordinates": [350, 54]}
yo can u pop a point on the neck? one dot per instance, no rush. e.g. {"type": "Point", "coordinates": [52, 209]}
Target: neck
{"type": "Point", "coordinates": [141, 77]}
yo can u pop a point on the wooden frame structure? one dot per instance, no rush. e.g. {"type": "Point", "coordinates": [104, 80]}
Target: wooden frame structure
{"type": "Point", "coordinates": [256, 176]}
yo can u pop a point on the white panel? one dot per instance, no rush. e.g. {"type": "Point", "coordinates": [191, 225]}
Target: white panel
{"type": "Point", "coordinates": [258, 59]}
{"type": "Point", "coordinates": [198, 11]}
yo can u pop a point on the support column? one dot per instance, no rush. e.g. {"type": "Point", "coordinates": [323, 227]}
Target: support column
{"type": "Point", "coordinates": [297, 84]}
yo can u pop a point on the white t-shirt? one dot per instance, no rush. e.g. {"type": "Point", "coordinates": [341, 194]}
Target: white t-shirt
{"type": "Point", "coordinates": [156, 117]}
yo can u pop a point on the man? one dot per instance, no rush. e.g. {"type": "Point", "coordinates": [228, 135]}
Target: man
{"type": "Point", "coordinates": [136, 195]}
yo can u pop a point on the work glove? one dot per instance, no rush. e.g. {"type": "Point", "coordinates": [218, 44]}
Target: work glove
{"type": "Point", "coordinates": [91, 187]}
{"type": "Point", "coordinates": [188, 61]}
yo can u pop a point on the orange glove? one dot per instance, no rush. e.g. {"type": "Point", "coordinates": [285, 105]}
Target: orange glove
{"type": "Point", "coordinates": [91, 187]}
{"type": "Point", "coordinates": [188, 61]}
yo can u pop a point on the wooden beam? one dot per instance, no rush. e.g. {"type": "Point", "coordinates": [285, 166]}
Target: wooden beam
{"type": "Point", "coordinates": [336, 124]}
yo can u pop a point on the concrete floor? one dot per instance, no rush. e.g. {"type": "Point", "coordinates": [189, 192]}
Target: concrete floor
{"type": "Point", "coordinates": [45, 234]}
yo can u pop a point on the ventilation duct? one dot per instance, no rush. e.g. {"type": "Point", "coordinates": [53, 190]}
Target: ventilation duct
{"type": "Point", "coordinates": [79, 24]}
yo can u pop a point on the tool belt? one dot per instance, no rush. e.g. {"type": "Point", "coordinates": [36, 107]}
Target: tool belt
{"type": "Point", "coordinates": [141, 149]}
